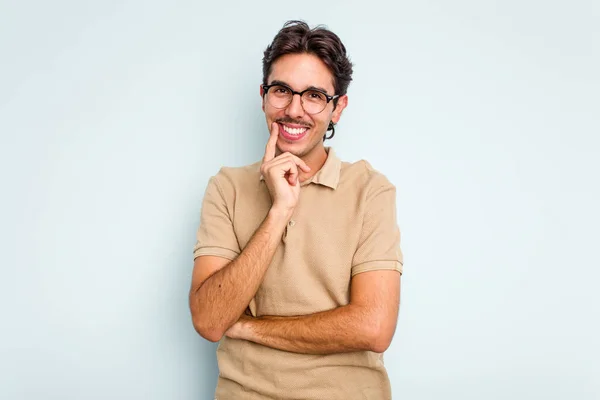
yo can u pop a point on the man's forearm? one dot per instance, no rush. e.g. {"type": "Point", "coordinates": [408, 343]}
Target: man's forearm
{"type": "Point", "coordinates": [223, 297]}
{"type": "Point", "coordinates": [344, 329]}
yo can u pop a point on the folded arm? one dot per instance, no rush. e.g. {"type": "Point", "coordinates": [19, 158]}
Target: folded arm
{"type": "Point", "coordinates": [221, 290]}
{"type": "Point", "coordinates": [368, 322]}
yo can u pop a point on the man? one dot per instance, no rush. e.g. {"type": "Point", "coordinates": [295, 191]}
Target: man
{"type": "Point", "coordinates": [297, 263]}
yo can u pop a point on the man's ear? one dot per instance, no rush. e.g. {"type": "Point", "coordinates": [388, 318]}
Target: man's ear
{"type": "Point", "coordinates": [342, 102]}
{"type": "Point", "coordinates": [262, 96]}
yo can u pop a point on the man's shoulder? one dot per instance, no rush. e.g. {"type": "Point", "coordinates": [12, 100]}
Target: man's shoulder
{"type": "Point", "coordinates": [362, 174]}
{"type": "Point", "coordinates": [241, 175]}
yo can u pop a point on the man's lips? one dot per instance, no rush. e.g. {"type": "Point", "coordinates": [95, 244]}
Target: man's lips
{"type": "Point", "coordinates": [292, 131]}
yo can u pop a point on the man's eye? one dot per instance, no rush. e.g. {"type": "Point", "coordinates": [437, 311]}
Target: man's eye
{"type": "Point", "coordinates": [281, 90]}
{"type": "Point", "coordinates": [316, 95]}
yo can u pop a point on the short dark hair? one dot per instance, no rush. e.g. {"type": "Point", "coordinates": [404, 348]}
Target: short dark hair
{"type": "Point", "coordinates": [297, 37]}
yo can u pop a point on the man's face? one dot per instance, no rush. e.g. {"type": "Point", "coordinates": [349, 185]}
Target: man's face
{"type": "Point", "coordinates": [301, 133]}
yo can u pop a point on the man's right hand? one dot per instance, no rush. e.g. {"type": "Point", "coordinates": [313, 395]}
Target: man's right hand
{"type": "Point", "coordinates": [281, 175]}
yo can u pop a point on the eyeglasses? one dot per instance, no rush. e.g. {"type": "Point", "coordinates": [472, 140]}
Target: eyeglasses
{"type": "Point", "coordinates": [313, 101]}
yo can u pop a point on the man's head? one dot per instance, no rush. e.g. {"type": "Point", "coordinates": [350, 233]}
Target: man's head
{"type": "Point", "coordinates": [312, 62]}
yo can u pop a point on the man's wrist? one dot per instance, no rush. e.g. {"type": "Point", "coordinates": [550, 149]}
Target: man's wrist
{"type": "Point", "coordinates": [281, 216]}
{"type": "Point", "coordinates": [246, 331]}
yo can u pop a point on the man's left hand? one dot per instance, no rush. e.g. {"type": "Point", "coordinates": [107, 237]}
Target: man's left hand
{"type": "Point", "coordinates": [240, 328]}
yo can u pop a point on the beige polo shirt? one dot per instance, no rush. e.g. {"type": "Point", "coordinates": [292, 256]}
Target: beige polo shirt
{"type": "Point", "coordinates": [344, 224]}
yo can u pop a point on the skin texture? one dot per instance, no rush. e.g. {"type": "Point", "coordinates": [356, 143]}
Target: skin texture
{"type": "Point", "coordinates": [221, 289]}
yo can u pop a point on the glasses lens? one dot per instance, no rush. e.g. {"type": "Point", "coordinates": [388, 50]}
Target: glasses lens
{"type": "Point", "coordinates": [314, 101]}
{"type": "Point", "coordinates": [279, 96]}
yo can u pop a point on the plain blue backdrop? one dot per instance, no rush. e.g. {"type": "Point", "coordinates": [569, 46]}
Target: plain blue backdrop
{"type": "Point", "coordinates": [484, 114]}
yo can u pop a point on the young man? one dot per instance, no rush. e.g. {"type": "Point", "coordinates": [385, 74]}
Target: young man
{"type": "Point", "coordinates": [297, 263]}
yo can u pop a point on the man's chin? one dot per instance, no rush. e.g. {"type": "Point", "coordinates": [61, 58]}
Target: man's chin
{"type": "Point", "coordinates": [298, 149]}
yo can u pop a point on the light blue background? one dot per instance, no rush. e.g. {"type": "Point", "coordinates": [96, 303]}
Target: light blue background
{"type": "Point", "coordinates": [484, 114]}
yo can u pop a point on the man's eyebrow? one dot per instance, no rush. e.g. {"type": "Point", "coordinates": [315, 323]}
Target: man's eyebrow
{"type": "Point", "coordinates": [320, 89]}
{"type": "Point", "coordinates": [276, 82]}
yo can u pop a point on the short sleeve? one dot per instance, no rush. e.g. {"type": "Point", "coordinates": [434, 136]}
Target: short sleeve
{"type": "Point", "coordinates": [215, 235]}
{"type": "Point", "coordinates": [379, 243]}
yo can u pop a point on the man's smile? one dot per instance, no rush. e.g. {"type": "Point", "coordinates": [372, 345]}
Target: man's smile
{"type": "Point", "coordinates": [292, 131]}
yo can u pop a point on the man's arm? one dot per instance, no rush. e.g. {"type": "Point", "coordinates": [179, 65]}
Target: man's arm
{"type": "Point", "coordinates": [367, 323]}
{"type": "Point", "coordinates": [221, 290]}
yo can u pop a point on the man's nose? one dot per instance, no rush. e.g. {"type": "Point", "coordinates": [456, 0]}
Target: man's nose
{"type": "Point", "coordinates": [295, 109]}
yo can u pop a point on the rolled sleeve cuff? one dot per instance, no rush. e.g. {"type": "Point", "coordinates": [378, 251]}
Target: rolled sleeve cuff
{"type": "Point", "coordinates": [393, 265]}
{"type": "Point", "coordinates": [215, 251]}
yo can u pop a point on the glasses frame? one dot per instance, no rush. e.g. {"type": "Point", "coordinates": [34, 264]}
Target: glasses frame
{"type": "Point", "coordinates": [328, 97]}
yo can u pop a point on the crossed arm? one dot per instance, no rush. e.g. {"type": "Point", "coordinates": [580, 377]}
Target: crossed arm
{"type": "Point", "coordinates": [367, 323]}
{"type": "Point", "coordinates": [222, 289]}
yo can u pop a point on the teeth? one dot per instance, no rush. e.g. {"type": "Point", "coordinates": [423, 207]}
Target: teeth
{"type": "Point", "coordinates": [294, 131]}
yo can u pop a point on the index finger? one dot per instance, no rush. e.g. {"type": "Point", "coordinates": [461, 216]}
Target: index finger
{"type": "Point", "coordinates": [272, 143]}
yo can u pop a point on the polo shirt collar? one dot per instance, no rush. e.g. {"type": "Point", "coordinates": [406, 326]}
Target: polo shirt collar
{"type": "Point", "coordinates": [329, 174]}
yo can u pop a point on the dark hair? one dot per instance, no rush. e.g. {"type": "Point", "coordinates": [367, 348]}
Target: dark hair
{"type": "Point", "coordinates": [297, 37]}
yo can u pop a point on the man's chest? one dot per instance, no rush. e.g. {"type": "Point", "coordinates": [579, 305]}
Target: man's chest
{"type": "Point", "coordinates": [311, 268]}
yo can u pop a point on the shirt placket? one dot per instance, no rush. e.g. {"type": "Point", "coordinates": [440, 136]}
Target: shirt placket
{"type": "Point", "coordinates": [288, 228]}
